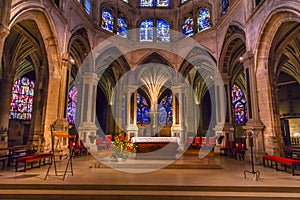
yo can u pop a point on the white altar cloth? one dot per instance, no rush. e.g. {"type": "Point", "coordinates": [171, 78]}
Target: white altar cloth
{"type": "Point", "coordinates": [155, 140]}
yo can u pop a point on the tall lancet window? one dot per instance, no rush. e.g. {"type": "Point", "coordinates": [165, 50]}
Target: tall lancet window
{"type": "Point", "coordinates": [146, 3]}
{"type": "Point", "coordinates": [22, 99]}
{"type": "Point", "coordinates": [203, 20]}
{"type": "Point", "coordinates": [122, 27]}
{"type": "Point", "coordinates": [187, 27]}
{"type": "Point", "coordinates": [239, 105]}
{"type": "Point", "coordinates": [225, 5]}
{"type": "Point", "coordinates": [142, 110]}
{"type": "Point", "coordinates": [163, 3]}
{"type": "Point", "coordinates": [165, 110]}
{"type": "Point", "coordinates": [162, 31]}
{"type": "Point", "coordinates": [72, 102]}
{"type": "Point", "coordinates": [107, 22]}
{"type": "Point", "coordinates": [146, 31]}
{"type": "Point", "coordinates": [183, 1]}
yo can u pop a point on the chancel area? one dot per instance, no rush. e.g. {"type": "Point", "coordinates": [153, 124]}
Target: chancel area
{"type": "Point", "coordinates": [205, 79]}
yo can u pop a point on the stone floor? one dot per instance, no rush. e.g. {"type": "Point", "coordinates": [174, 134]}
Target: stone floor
{"type": "Point", "coordinates": [189, 176]}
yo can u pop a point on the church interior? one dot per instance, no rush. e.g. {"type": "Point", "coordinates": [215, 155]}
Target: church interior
{"type": "Point", "coordinates": [214, 81]}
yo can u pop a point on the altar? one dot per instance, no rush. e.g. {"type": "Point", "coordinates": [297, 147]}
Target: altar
{"type": "Point", "coordinates": [156, 147]}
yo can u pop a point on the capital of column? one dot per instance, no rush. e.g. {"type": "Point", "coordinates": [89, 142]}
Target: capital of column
{"type": "Point", "coordinates": [90, 78]}
{"type": "Point", "coordinates": [4, 31]}
{"type": "Point", "coordinates": [248, 56]}
{"type": "Point", "coordinates": [130, 88]}
{"type": "Point", "coordinates": [178, 88]}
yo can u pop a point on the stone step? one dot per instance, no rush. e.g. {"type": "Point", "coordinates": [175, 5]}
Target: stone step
{"type": "Point", "coordinates": [145, 192]}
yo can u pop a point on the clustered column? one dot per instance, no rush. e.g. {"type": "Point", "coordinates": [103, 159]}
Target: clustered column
{"type": "Point", "coordinates": [254, 124]}
{"type": "Point", "coordinates": [87, 126]}
{"type": "Point", "coordinates": [131, 128]}
{"type": "Point", "coordinates": [179, 115]}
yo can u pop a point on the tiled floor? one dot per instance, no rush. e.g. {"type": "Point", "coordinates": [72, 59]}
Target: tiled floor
{"type": "Point", "coordinates": [214, 172]}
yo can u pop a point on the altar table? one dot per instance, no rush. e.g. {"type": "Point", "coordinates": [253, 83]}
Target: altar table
{"type": "Point", "coordinates": [156, 147]}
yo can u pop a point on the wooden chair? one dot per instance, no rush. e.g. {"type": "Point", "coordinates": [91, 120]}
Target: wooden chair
{"type": "Point", "coordinates": [196, 142]}
{"type": "Point", "coordinates": [101, 145]}
{"type": "Point", "coordinates": [109, 142]}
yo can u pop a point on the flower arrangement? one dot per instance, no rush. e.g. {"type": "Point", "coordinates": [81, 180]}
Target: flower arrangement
{"type": "Point", "coordinates": [121, 148]}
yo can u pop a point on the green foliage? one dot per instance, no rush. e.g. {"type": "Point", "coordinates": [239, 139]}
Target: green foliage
{"type": "Point", "coordinates": [121, 148]}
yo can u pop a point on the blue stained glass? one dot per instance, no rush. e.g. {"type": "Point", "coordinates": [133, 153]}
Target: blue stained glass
{"type": "Point", "coordinates": [107, 22]}
{"type": "Point", "coordinates": [146, 31]}
{"type": "Point", "coordinates": [121, 27]}
{"type": "Point", "coordinates": [162, 31]}
{"type": "Point", "coordinates": [146, 3]}
{"type": "Point", "coordinates": [22, 99]}
{"type": "Point", "coordinates": [87, 6]}
{"type": "Point", "coordinates": [163, 3]}
{"type": "Point", "coordinates": [187, 27]}
{"type": "Point", "coordinates": [203, 19]}
{"type": "Point", "coordinates": [165, 110]}
{"type": "Point", "coordinates": [239, 105]}
{"type": "Point", "coordinates": [225, 5]}
{"type": "Point", "coordinates": [72, 102]}
{"type": "Point", "coordinates": [142, 110]}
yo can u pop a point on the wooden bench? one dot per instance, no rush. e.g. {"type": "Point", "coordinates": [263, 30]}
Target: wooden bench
{"type": "Point", "coordinates": [32, 158]}
{"type": "Point", "coordinates": [286, 161]}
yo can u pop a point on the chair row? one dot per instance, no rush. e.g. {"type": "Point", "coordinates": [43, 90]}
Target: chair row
{"type": "Point", "coordinates": [104, 144]}
{"type": "Point", "coordinates": [234, 149]}
{"type": "Point", "coordinates": [198, 142]}
{"type": "Point", "coordinates": [77, 148]}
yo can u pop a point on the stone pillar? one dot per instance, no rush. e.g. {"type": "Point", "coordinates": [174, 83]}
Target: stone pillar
{"type": "Point", "coordinates": [87, 125]}
{"type": "Point", "coordinates": [5, 84]}
{"type": "Point", "coordinates": [4, 32]}
{"type": "Point", "coordinates": [64, 86]}
{"type": "Point", "coordinates": [5, 93]}
{"type": "Point", "coordinates": [131, 128]}
{"type": "Point", "coordinates": [179, 115]}
{"type": "Point", "coordinates": [220, 109]}
{"type": "Point", "coordinates": [254, 124]}
{"type": "Point", "coordinates": [228, 131]}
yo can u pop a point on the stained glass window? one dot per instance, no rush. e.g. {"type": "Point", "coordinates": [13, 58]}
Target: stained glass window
{"type": "Point", "coordinates": [183, 1]}
{"type": "Point", "coordinates": [22, 99]}
{"type": "Point", "coordinates": [121, 27]}
{"type": "Point", "coordinates": [163, 3]}
{"type": "Point", "coordinates": [72, 102]}
{"type": "Point", "coordinates": [165, 110]}
{"type": "Point", "coordinates": [107, 22]}
{"type": "Point", "coordinates": [239, 105]}
{"type": "Point", "coordinates": [146, 3]}
{"type": "Point", "coordinates": [162, 31]}
{"type": "Point", "coordinates": [87, 6]}
{"type": "Point", "coordinates": [225, 4]}
{"type": "Point", "coordinates": [126, 1]}
{"type": "Point", "coordinates": [187, 27]}
{"type": "Point", "coordinates": [203, 19]}
{"type": "Point", "coordinates": [142, 110]}
{"type": "Point", "coordinates": [146, 31]}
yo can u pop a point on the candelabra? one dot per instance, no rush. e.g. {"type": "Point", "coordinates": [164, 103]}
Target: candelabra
{"type": "Point", "coordinates": [250, 136]}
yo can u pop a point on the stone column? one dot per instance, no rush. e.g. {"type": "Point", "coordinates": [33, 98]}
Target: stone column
{"type": "Point", "coordinates": [64, 86]}
{"type": "Point", "coordinates": [5, 84]}
{"type": "Point", "coordinates": [5, 93]}
{"type": "Point", "coordinates": [220, 109]}
{"type": "Point", "coordinates": [131, 128]}
{"type": "Point", "coordinates": [254, 124]}
{"type": "Point", "coordinates": [227, 128]}
{"type": "Point", "coordinates": [4, 32]}
{"type": "Point", "coordinates": [87, 97]}
{"type": "Point", "coordinates": [179, 109]}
